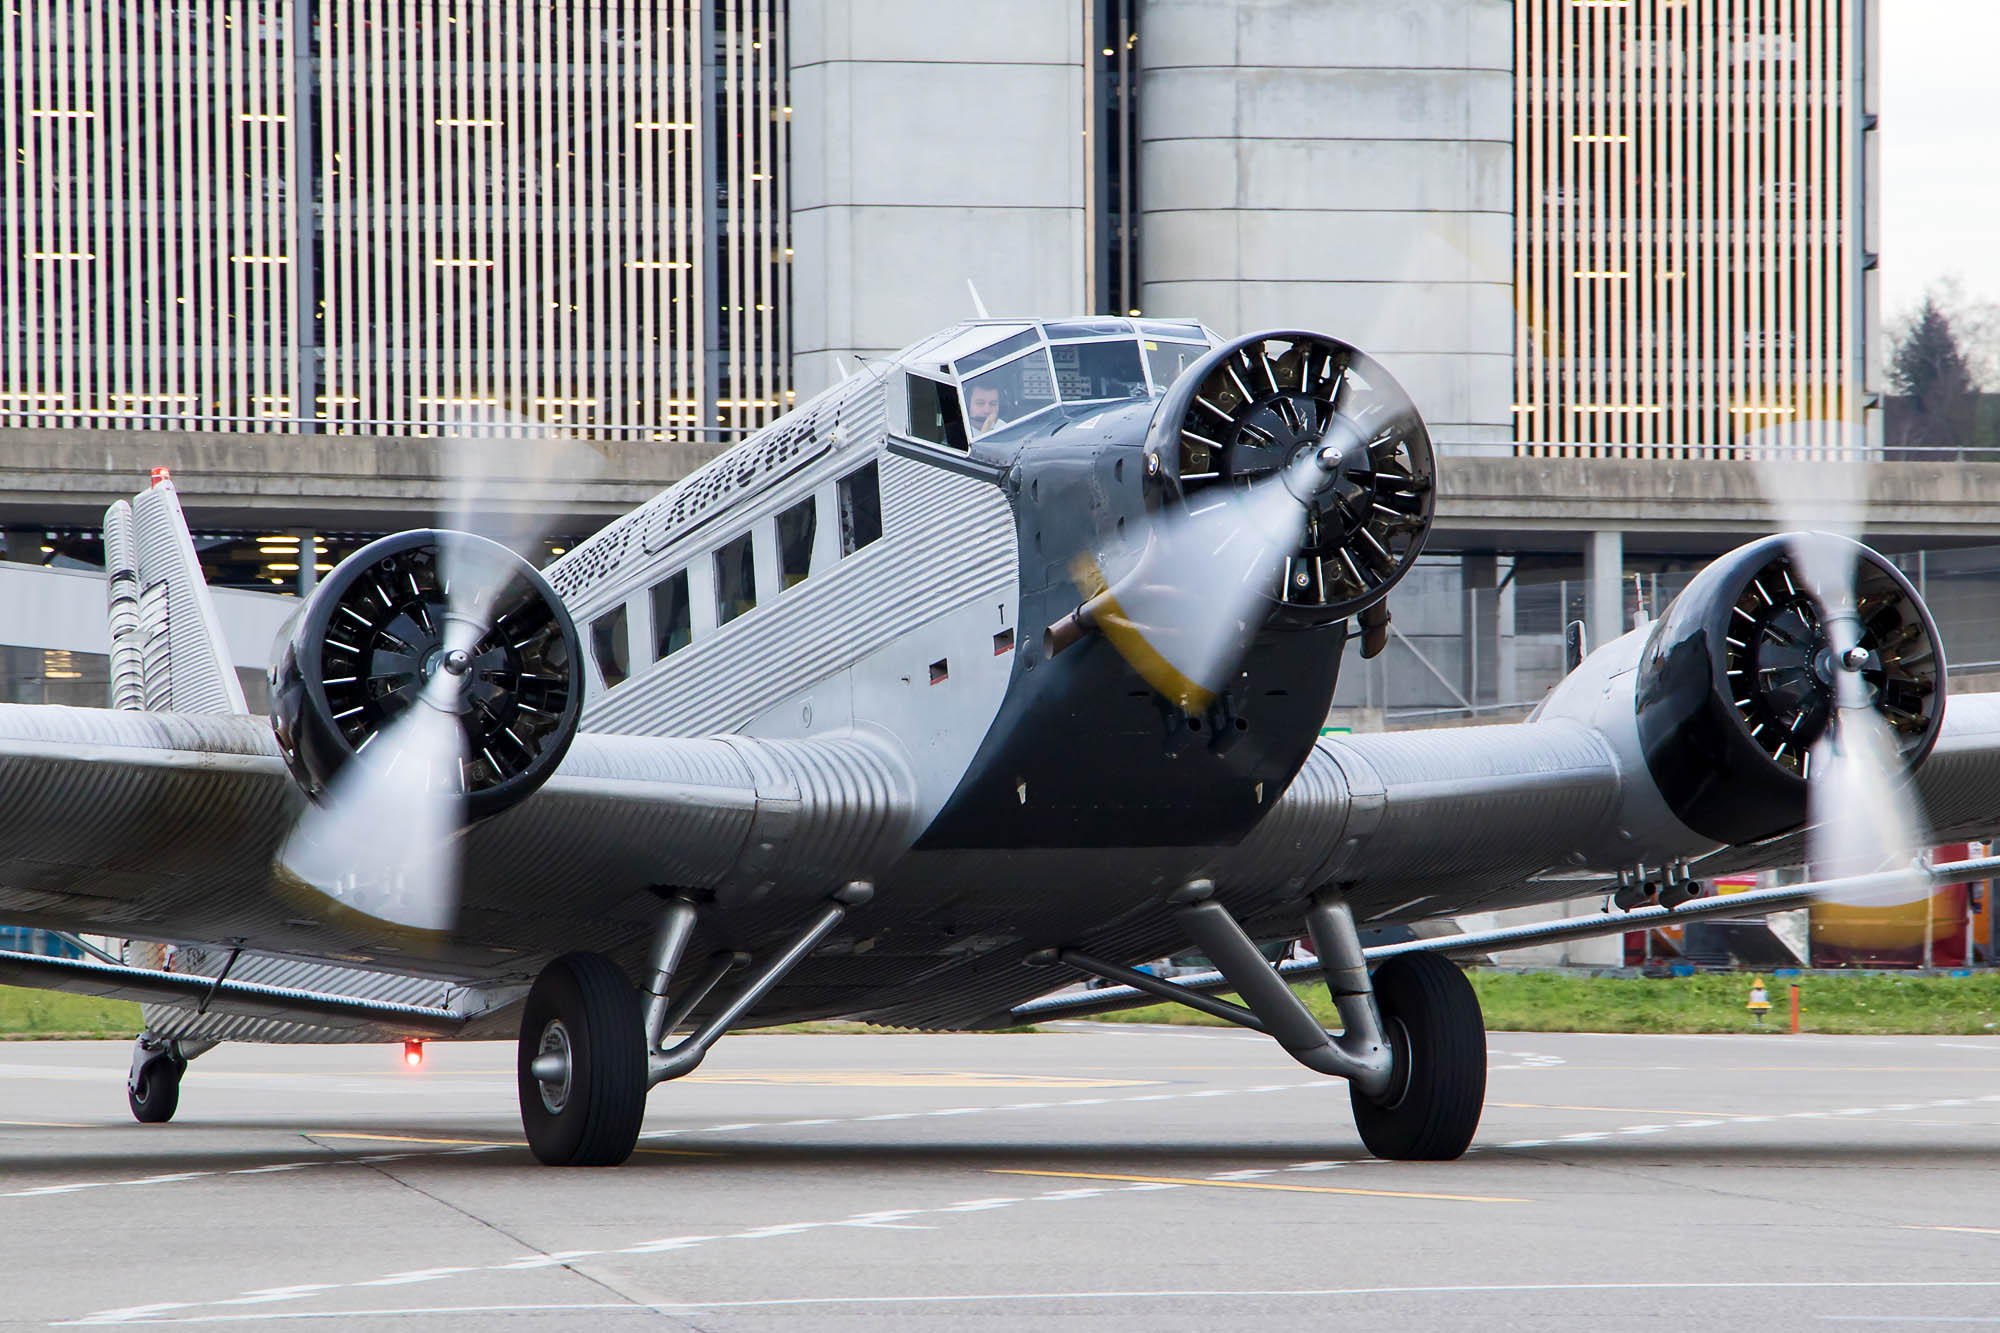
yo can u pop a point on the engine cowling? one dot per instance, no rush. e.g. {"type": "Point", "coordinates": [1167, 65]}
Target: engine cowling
{"type": "Point", "coordinates": [1251, 407]}
{"type": "Point", "coordinates": [1736, 685]}
{"type": "Point", "coordinates": [369, 637]}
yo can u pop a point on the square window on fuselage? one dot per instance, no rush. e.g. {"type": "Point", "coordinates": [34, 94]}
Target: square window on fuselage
{"type": "Point", "coordinates": [796, 529]}
{"type": "Point", "coordinates": [673, 623]}
{"type": "Point", "coordinates": [735, 579]}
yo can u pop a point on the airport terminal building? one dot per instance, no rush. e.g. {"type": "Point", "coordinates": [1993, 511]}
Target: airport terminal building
{"type": "Point", "coordinates": [320, 256]}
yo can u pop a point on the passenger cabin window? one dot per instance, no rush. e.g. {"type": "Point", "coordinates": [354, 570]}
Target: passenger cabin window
{"type": "Point", "coordinates": [735, 579]}
{"type": "Point", "coordinates": [860, 509]}
{"type": "Point", "coordinates": [607, 645]}
{"type": "Point", "coordinates": [1008, 392]}
{"type": "Point", "coordinates": [1089, 371]}
{"type": "Point", "coordinates": [673, 626]}
{"type": "Point", "coordinates": [934, 412]}
{"type": "Point", "coordinates": [796, 527]}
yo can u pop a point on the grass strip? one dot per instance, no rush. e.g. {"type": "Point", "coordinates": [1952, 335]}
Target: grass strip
{"type": "Point", "coordinates": [49, 1015]}
{"type": "Point", "coordinates": [1861, 1003]}
{"type": "Point", "coordinates": [1865, 1003]}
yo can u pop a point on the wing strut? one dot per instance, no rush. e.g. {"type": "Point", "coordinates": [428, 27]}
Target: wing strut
{"type": "Point", "coordinates": [1757, 902]}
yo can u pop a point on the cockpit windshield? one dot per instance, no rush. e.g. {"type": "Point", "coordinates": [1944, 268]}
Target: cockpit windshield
{"type": "Point", "coordinates": [1089, 371]}
{"type": "Point", "coordinates": [1008, 371]}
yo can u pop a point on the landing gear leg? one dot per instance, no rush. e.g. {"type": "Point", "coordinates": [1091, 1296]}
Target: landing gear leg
{"type": "Point", "coordinates": [1413, 1042]}
{"type": "Point", "coordinates": [153, 1088]}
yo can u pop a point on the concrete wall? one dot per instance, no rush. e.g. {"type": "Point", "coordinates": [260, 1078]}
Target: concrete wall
{"type": "Point", "coordinates": [931, 143]}
{"type": "Point", "coordinates": [1341, 165]}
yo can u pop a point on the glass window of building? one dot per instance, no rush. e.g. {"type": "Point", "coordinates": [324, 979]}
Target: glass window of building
{"type": "Point", "coordinates": [735, 579]}
{"type": "Point", "coordinates": [860, 509]}
{"type": "Point", "coordinates": [796, 527]}
{"type": "Point", "coordinates": [607, 645]}
{"type": "Point", "coordinates": [1006, 393]}
{"type": "Point", "coordinates": [673, 626]}
{"type": "Point", "coordinates": [1090, 371]}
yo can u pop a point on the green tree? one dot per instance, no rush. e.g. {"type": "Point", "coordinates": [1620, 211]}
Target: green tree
{"type": "Point", "coordinates": [1931, 375]}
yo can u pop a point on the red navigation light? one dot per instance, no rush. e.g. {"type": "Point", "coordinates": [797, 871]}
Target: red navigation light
{"type": "Point", "coordinates": [161, 474]}
{"type": "Point", "coordinates": [413, 1053]}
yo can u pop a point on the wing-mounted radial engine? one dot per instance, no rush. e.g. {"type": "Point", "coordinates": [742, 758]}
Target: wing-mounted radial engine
{"type": "Point", "coordinates": [401, 619]}
{"type": "Point", "coordinates": [1261, 408]}
{"type": "Point", "coordinates": [1739, 683]}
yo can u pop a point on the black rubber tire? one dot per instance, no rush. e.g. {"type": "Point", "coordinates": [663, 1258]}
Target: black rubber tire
{"type": "Point", "coordinates": [598, 1123]}
{"type": "Point", "coordinates": [158, 1095]}
{"type": "Point", "coordinates": [1432, 1019]}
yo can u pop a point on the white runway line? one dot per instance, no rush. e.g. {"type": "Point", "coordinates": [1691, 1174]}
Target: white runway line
{"type": "Point", "coordinates": [901, 1217]}
{"type": "Point", "coordinates": [732, 1127]}
{"type": "Point", "coordinates": [1045, 1297]}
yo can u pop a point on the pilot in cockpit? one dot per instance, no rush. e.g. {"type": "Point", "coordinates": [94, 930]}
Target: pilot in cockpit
{"type": "Point", "coordinates": [982, 408]}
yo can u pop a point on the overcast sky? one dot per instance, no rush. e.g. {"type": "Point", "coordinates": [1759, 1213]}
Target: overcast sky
{"type": "Point", "coordinates": [1940, 148]}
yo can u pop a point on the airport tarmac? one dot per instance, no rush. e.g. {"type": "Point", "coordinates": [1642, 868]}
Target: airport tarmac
{"type": "Point", "coordinates": [1112, 1175]}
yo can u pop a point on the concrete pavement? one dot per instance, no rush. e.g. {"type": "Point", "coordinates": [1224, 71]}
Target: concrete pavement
{"type": "Point", "coordinates": [1109, 1175]}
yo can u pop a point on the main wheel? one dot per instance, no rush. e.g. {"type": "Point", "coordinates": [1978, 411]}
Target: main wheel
{"type": "Point", "coordinates": [155, 1092]}
{"type": "Point", "coordinates": [582, 1063]}
{"type": "Point", "coordinates": [1431, 1017]}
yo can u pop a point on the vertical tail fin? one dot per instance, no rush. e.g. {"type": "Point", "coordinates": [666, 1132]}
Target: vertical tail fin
{"type": "Point", "coordinates": [167, 648]}
{"type": "Point", "coordinates": [121, 568]}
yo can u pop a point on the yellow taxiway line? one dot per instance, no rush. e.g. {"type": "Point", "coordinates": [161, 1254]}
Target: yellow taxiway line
{"type": "Point", "coordinates": [492, 1143]}
{"type": "Point", "coordinates": [1258, 1185]}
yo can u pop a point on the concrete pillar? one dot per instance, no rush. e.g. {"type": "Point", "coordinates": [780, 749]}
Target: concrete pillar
{"type": "Point", "coordinates": [1506, 663]}
{"type": "Point", "coordinates": [1479, 625]}
{"type": "Point", "coordinates": [1603, 574]}
{"type": "Point", "coordinates": [903, 187]}
{"type": "Point", "coordinates": [308, 559]}
{"type": "Point", "coordinates": [1331, 164]}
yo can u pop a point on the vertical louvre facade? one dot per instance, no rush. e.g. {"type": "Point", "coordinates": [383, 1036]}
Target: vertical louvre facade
{"type": "Point", "coordinates": [752, 354]}
{"type": "Point", "coordinates": [350, 215]}
{"type": "Point", "coordinates": [145, 229]}
{"type": "Point", "coordinates": [1690, 198]}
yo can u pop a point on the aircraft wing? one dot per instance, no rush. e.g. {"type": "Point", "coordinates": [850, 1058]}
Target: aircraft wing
{"type": "Point", "coordinates": [1440, 822]}
{"type": "Point", "coordinates": [165, 827]}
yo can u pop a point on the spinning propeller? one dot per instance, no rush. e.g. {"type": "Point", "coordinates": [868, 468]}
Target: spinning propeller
{"type": "Point", "coordinates": [430, 681]}
{"type": "Point", "coordinates": [1299, 488]}
{"type": "Point", "coordinates": [1847, 683]}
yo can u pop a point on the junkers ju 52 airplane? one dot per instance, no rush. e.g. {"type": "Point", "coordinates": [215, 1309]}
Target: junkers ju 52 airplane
{"type": "Point", "coordinates": [1000, 662]}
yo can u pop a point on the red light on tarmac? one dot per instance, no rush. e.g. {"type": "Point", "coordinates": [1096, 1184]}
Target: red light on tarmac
{"type": "Point", "coordinates": [413, 1053]}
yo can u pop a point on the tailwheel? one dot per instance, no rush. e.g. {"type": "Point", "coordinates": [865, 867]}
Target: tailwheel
{"type": "Point", "coordinates": [153, 1089]}
{"type": "Point", "coordinates": [1431, 1018]}
{"type": "Point", "coordinates": [582, 1063]}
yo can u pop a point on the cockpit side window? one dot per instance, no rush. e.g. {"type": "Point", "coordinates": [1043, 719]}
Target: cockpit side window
{"type": "Point", "coordinates": [1006, 393]}
{"type": "Point", "coordinates": [1097, 370]}
{"type": "Point", "coordinates": [934, 414]}
{"type": "Point", "coordinates": [1166, 360]}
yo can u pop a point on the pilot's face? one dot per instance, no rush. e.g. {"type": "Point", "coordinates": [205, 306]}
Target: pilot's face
{"type": "Point", "coordinates": [985, 404]}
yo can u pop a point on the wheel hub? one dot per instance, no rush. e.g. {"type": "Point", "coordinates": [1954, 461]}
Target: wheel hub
{"type": "Point", "coordinates": [551, 1066]}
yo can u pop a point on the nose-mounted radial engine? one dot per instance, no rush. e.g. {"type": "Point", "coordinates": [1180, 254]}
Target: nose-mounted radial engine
{"type": "Point", "coordinates": [1739, 684]}
{"type": "Point", "coordinates": [381, 633]}
{"type": "Point", "coordinates": [1344, 438]}
{"type": "Point", "coordinates": [1297, 488]}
